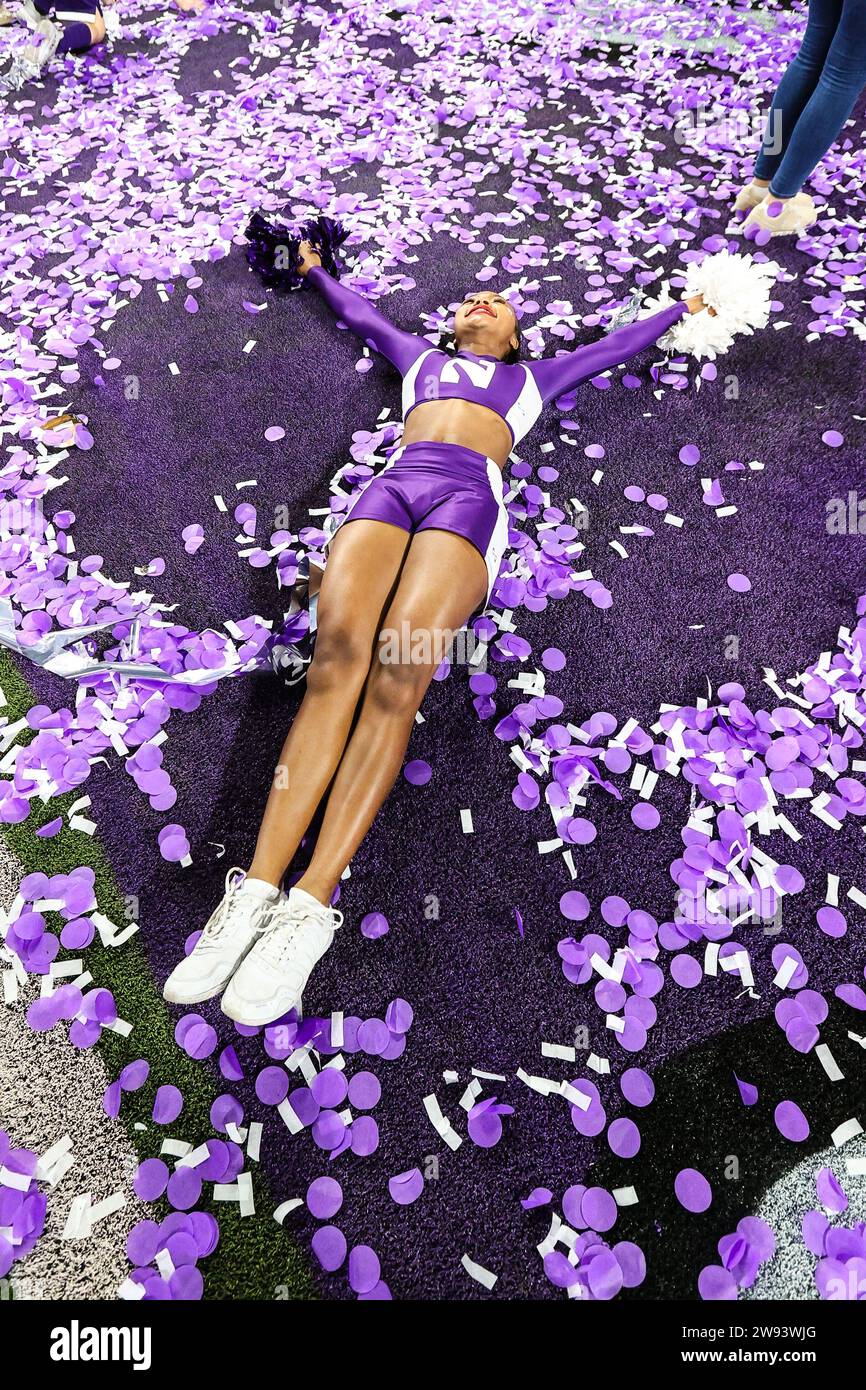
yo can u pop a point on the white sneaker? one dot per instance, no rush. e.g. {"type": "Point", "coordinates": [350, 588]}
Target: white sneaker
{"type": "Point", "coordinates": [750, 196]}
{"type": "Point", "coordinates": [272, 979]}
{"type": "Point", "coordinates": [779, 218]}
{"type": "Point", "coordinates": [231, 931]}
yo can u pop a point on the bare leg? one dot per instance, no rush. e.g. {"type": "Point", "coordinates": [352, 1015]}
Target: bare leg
{"type": "Point", "coordinates": [442, 582]}
{"type": "Point", "coordinates": [362, 571]}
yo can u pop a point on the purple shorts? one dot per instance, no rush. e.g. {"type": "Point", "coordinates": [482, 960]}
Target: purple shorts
{"type": "Point", "coordinates": [441, 487]}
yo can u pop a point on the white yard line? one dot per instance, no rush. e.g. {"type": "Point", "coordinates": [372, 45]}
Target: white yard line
{"type": "Point", "coordinates": [790, 1274]}
{"type": "Point", "coordinates": [48, 1088]}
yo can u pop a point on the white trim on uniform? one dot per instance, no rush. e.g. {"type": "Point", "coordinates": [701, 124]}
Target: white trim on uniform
{"type": "Point", "coordinates": [408, 396]}
{"type": "Point", "coordinates": [498, 543]}
{"type": "Point", "coordinates": [526, 409]}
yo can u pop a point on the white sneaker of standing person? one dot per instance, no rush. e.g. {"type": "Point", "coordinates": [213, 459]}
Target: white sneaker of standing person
{"type": "Point", "coordinates": [274, 975]}
{"type": "Point", "coordinates": [231, 931]}
{"type": "Point", "coordinates": [750, 196]}
{"type": "Point", "coordinates": [782, 218]}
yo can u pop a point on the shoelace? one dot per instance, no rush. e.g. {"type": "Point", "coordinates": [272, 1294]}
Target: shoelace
{"type": "Point", "coordinates": [230, 904]}
{"type": "Point", "coordinates": [284, 923]}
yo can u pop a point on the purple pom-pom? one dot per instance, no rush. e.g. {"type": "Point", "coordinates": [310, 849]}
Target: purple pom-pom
{"type": "Point", "coordinates": [327, 236]}
{"type": "Point", "coordinates": [274, 248]}
{"type": "Point", "coordinates": [273, 253]}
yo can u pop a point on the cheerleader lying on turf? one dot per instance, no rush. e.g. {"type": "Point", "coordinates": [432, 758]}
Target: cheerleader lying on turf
{"type": "Point", "coordinates": [420, 546]}
{"type": "Point", "coordinates": [59, 26]}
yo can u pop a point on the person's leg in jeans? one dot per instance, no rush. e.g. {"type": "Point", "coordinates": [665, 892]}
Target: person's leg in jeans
{"type": "Point", "coordinates": [842, 79]}
{"type": "Point", "coordinates": [797, 86]}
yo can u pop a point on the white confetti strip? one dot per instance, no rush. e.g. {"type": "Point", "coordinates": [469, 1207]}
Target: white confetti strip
{"type": "Point", "coordinates": [107, 1207]}
{"type": "Point", "coordinates": [600, 1065]}
{"type": "Point", "coordinates": [574, 1097]}
{"type": "Point", "coordinates": [786, 972]}
{"type": "Point", "coordinates": [78, 1221]}
{"type": "Point", "coordinates": [254, 1141]}
{"type": "Point", "coordinates": [55, 1162]}
{"type": "Point", "coordinates": [478, 1272]}
{"type": "Point", "coordinates": [442, 1126]}
{"type": "Point", "coordinates": [470, 1095]}
{"type": "Point", "coordinates": [285, 1208]}
{"type": "Point", "coordinates": [130, 1291]}
{"type": "Point", "coordinates": [175, 1148]}
{"type": "Point", "coordinates": [828, 1062]}
{"type": "Point", "coordinates": [846, 1131]}
{"type": "Point", "coordinates": [19, 1181]}
{"type": "Point", "coordinates": [541, 1084]}
{"type": "Point", "coordinates": [245, 1194]}
{"type": "Point", "coordinates": [194, 1157]}
{"type": "Point", "coordinates": [289, 1118]}
{"type": "Point", "coordinates": [552, 1238]}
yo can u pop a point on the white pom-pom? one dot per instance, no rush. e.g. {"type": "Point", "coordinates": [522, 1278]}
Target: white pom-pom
{"type": "Point", "coordinates": [736, 286]}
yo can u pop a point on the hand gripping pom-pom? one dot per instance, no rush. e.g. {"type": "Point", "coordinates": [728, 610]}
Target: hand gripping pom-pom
{"type": "Point", "coordinates": [736, 286]}
{"type": "Point", "coordinates": [327, 236]}
{"type": "Point", "coordinates": [274, 248]}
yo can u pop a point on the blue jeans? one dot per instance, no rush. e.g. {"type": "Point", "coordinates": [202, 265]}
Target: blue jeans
{"type": "Point", "coordinates": [816, 95]}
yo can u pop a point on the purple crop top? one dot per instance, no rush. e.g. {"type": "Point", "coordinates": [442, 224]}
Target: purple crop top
{"type": "Point", "coordinates": [516, 393]}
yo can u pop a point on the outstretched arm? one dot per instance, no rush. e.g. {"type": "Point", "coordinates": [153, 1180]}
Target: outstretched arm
{"type": "Point", "coordinates": [400, 348]}
{"type": "Point", "coordinates": [554, 376]}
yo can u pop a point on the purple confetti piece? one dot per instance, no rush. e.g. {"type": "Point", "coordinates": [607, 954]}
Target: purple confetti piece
{"type": "Point", "coordinates": [418, 773]}
{"type": "Point", "coordinates": [791, 1122]}
{"type": "Point", "coordinates": [374, 925]}
{"type": "Point", "coordinates": [406, 1187]}
{"type": "Point", "coordinates": [538, 1197]}
{"type": "Point", "coordinates": [167, 1105]}
{"type": "Point", "coordinates": [324, 1198]}
{"type": "Point", "coordinates": [364, 1269]}
{"type": "Point", "coordinates": [748, 1092]}
{"type": "Point", "coordinates": [692, 1190]}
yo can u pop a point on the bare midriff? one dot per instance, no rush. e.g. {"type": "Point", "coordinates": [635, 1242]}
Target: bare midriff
{"type": "Point", "coordinates": [460, 422]}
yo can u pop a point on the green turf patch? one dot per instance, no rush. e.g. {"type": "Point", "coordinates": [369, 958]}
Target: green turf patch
{"type": "Point", "coordinates": [255, 1258]}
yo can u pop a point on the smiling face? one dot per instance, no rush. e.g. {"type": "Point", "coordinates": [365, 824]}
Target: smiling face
{"type": "Point", "coordinates": [486, 324]}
